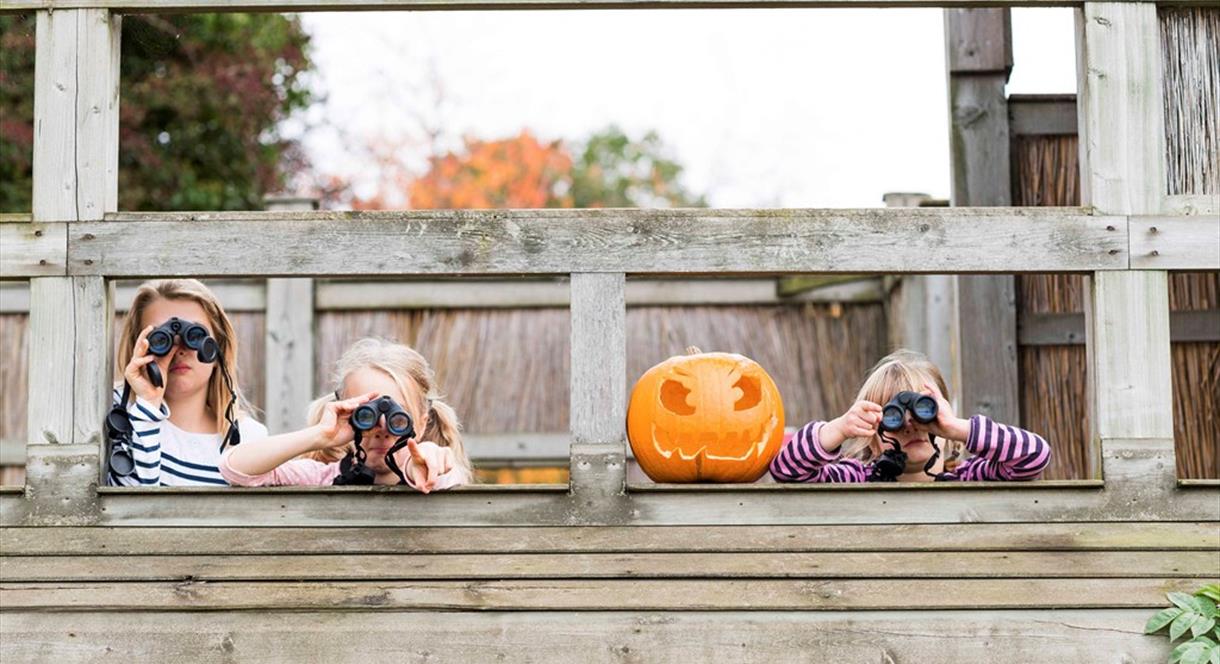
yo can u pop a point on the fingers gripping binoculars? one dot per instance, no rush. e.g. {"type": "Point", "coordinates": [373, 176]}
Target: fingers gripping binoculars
{"type": "Point", "coordinates": [398, 422]}
{"type": "Point", "coordinates": [193, 335]}
{"type": "Point", "coordinates": [922, 407]}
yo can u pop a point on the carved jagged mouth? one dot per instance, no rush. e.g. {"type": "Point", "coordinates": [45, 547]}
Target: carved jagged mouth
{"type": "Point", "coordinates": [689, 447]}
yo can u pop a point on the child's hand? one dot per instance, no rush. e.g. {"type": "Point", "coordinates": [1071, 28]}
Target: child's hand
{"type": "Point", "coordinates": [948, 424]}
{"type": "Point", "coordinates": [426, 464]}
{"type": "Point", "coordinates": [335, 427]}
{"type": "Point", "coordinates": [860, 421]}
{"type": "Point", "coordinates": [136, 371]}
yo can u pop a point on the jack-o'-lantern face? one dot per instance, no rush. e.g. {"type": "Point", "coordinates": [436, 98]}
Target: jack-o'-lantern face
{"type": "Point", "coordinates": [705, 417]}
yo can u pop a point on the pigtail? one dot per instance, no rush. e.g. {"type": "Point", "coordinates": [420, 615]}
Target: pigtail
{"type": "Point", "coordinates": [444, 430]}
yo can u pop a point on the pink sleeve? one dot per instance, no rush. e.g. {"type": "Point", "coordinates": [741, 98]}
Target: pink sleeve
{"type": "Point", "coordinates": [295, 472]}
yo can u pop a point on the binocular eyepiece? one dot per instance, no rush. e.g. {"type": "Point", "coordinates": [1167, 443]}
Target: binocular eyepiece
{"type": "Point", "coordinates": [194, 336]}
{"type": "Point", "coordinates": [923, 409]}
{"type": "Point", "coordinates": [397, 421]}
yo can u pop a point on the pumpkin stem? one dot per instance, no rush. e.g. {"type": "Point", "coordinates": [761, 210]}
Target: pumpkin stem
{"type": "Point", "coordinates": [693, 350]}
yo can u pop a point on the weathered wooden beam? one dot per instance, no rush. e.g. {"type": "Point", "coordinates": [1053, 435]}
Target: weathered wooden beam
{"type": "Point", "coordinates": [291, 566]}
{"type": "Point", "coordinates": [599, 390]}
{"type": "Point", "coordinates": [1042, 115]}
{"type": "Point", "coordinates": [76, 111]}
{"type": "Point", "coordinates": [595, 595]}
{"type": "Point", "coordinates": [69, 393]}
{"type": "Point", "coordinates": [1001, 240]}
{"type": "Point", "coordinates": [551, 637]}
{"type": "Point", "coordinates": [1175, 243]}
{"type": "Point", "coordinates": [978, 45]}
{"type": "Point", "coordinates": [1068, 329]}
{"type": "Point", "coordinates": [289, 360]}
{"type": "Point", "coordinates": [1132, 481]}
{"type": "Point", "coordinates": [185, 6]}
{"type": "Point", "coordinates": [1007, 537]}
{"type": "Point", "coordinates": [1122, 165]}
{"type": "Point", "coordinates": [1120, 108]}
{"type": "Point", "coordinates": [33, 250]}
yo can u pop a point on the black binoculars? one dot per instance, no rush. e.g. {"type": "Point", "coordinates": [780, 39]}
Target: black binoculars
{"type": "Point", "coordinates": [364, 418]}
{"type": "Point", "coordinates": [397, 421]}
{"type": "Point", "coordinates": [893, 414]}
{"type": "Point", "coordinates": [194, 336]}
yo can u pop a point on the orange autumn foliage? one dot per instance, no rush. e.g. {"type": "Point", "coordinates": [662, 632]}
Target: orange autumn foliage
{"type": "Point", "coordinates": [519, 172]}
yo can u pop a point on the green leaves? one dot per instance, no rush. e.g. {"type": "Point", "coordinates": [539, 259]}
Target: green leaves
{"type": "Point", "coordinates": [1196, 614]}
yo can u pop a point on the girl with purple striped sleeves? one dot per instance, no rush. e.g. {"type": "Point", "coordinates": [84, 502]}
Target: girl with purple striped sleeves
{"type": "Point", "coordinates": [850, 447]}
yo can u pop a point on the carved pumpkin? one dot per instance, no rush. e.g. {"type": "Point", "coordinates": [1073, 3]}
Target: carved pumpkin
{"type": "Point", "coordinates": [705, 417]}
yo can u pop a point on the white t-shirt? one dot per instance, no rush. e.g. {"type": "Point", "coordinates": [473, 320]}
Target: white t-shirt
{"type": "Point", "coordinates": [165, 455]}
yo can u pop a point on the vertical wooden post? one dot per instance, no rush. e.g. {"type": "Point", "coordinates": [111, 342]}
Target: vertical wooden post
{"type": "Point", "coordinates": [978, 46]}
{"type": "Point", "coordinates": [289, 357]}
{"type": "Point", "coordinates": [1123, 172]}
{"type": "Point", "coordinates": [599, 390]}
{"type": "Point", "coordinates": [76, 97]}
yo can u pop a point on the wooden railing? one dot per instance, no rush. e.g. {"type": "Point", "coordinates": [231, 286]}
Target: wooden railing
{"type": "Point", "coordinates": [1127, 238]}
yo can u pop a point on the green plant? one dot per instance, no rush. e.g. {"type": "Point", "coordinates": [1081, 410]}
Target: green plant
{"type": "Point", "coordinates": [1196, 614]}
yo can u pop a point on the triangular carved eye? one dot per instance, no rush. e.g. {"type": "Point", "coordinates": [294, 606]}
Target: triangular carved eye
{"type": "Point", "coordinates": [673, 397]}
{"type": "Point", "coordinates": [751, 393]}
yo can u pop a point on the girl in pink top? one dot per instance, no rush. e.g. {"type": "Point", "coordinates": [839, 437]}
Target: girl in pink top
{"type": "Point", "coordinates": [850, 448]}
{"type": "Point", "coordinates": [311, 456]}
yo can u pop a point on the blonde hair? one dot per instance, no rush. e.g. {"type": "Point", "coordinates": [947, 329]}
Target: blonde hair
{"type": "Point", "coordinates": [900, 370]}
{"type": "Point", "coordinates": [415, 379]}
{"type": "Point", "coordinates": [222, 332]}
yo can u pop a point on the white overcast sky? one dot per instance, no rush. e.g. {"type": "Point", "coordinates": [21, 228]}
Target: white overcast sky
{"type": "Point", "coordinates": [791, 108]}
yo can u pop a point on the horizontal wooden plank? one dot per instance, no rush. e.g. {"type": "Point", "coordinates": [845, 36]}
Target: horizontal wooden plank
{"type": "Point", "coordinates": [877, 564]}
{"type": "Point", "coordinates": [635, 241]}
{"type": "Point", "coordinates": [183, 6]}
{"type": "Point", "coordinates": [96, 541]}
{"type": "Point", "coordinates": [1042, 115]}
{"type": "Point", "coordinates": [594, 595]}
{"type": "Point", "coordinates": [1175, 243]}
{"type": "Point", "coordinates": [519, 293]}
{"type": "Point", "coordinates": [762, 637]}
{"type": "Point", "coordinates": [531, 507]}
{"type": "Point", "coordinates": [33, 250]}
{"type": "Point", "coordinates": [1067, 329]}
{"type": "Point", "coordinates": [235, 295]}
{"type": "Point", "coordinates": [1192, 204]}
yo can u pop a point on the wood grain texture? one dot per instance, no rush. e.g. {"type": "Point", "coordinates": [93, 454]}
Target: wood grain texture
{"type": "Point", "coordinates": [1175, 243]}
{"type": "Point", "coordinates": [762, 637]}
{"type": "Point", "coordinates": [1131, 370]}
{"type": "Point", "coordinates": [1139, 486]}
{"type": "Point", "coordinates": [632, 241]}
{"type": "Point", "coordinates": [289, 355]}
{"type": "Point", "coordinates": [55, 104]}
{"type": "Point", "coordinates": [1121, 108]}
{"type": "Point", "coordinates": [594, 595]}
{"type": "Point", "coordinates": [52, 348]}
{"type": "Point", "coordinates": [237, 541]}
{"type": "Point", "coordinates": [33, 250]}
{"type": "Point", "coordinates": [76, 115]}
{"type": "Point", "coordinates": [769, 565]}
{"type": "Point", "coordinates": [1042, 115]}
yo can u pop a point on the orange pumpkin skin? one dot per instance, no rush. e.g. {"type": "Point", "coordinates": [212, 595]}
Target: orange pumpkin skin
{"type": "Point", "coordinates": [705, 417]}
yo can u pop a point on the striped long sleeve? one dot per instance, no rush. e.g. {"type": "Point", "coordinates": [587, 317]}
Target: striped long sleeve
{"type": "Point", "coordinates": [146, 420]}
{"type": "Point", "coordinates": [1002, 452]}
{"type": "Point", "coordinates": [803, 459]}
{"type": "Point", "coordinates": [999, 452]}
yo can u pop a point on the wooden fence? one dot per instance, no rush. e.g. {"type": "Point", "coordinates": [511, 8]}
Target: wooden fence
{"type": "Point", "coordinates": [1011, 572]}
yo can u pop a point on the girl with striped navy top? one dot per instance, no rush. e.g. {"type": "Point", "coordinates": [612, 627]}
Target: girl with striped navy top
{"type": "Point", "coordinates": [178, 428]}
{"type": "Point", "coordinates": [847, 448]}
